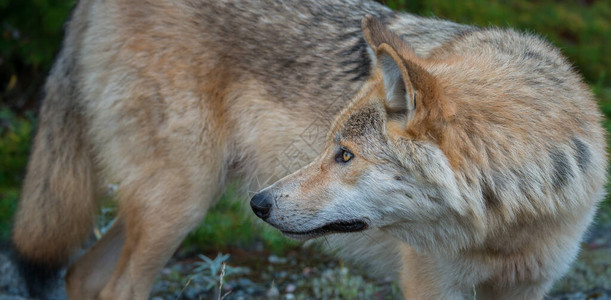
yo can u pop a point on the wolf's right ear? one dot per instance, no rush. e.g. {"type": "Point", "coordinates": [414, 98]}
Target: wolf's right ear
{"type": "Point", "coordinates": [400, 91]}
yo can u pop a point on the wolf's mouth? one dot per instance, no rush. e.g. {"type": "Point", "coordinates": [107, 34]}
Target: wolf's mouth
{"type": "Point", "coordinates": [335, 227]}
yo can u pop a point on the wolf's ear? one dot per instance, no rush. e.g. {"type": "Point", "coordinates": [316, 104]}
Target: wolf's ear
{"type": "Point", "coordinates": [383, 46]}
{"type": "Point", "coordinates": [384, 49]}
{"type": "Point", "coordinates": [376, 34]}
{"type": "Point", "coordinates": [400, 91]}
{"type": "Point", "coordinates": [409, 87]}
{"type": "Point", "coordinates": [373, 30]}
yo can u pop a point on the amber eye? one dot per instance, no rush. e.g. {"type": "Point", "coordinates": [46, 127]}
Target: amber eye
{"type": "Point", "coordinates": [343, 156]}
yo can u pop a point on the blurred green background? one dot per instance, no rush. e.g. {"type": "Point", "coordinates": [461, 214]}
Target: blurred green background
{"type": "Point", "coordinates": [31, 32]}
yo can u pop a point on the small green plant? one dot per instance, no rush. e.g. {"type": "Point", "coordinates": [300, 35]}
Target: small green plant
{"type": "Point", "coordinates": [210, 269]}
{"type": "Point", "coordinates": [213, 271]}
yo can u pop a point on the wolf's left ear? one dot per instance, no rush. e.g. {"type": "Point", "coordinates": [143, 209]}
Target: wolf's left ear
{"type": "Point", "coordinates": [383, 46]}
{"type": "Point", "coordinates": [376, 34]}
{"type": "Point", "coordinates": [400, 91]}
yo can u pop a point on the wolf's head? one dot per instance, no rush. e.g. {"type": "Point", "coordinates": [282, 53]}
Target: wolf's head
{"type": "Point", "coordinates": [383, 165]}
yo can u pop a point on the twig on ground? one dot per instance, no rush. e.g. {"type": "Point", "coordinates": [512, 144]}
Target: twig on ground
{"type": "Point", "coordinates": [183, 288]}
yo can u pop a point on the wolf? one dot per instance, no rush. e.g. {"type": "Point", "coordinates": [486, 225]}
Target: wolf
{"type": "Point", "coordinates": [172, 100]}
{"type": "Point", "coordinates": [479, 163]}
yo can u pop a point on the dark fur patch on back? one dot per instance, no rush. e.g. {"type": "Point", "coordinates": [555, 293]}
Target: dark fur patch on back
{"type": "Point", "coordinates": [365, 120]}
{"type": "Point", "coordinates": [563, 172]}
{"type": "Point", "coordinates": [582, 154]}
{"type": "Point", "coordinates": [359, 66]}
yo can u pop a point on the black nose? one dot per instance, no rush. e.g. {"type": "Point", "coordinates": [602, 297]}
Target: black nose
{"type": "Point", "coordinates": [261, 205]}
